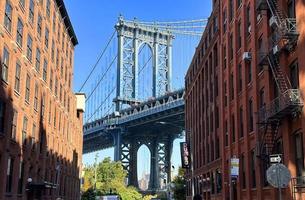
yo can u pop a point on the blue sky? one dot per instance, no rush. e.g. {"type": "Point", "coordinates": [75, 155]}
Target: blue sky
{"type": "Point", "coordinates": [94, 22]}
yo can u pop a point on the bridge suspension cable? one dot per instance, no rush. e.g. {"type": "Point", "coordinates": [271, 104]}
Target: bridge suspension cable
{"type": "Point", "coordinates": [97, 62]}
{"type": "Point", "coordinates": [101, 79]}
{"type": "Point", "coordinates": [97, 109]}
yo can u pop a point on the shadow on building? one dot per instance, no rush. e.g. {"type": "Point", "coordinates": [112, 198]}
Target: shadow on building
{"type": "Point", "coordinates": [29, 168]}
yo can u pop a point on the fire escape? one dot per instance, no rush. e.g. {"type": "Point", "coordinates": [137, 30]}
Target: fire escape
{"type": "Point", "coordinates": [288, 102]}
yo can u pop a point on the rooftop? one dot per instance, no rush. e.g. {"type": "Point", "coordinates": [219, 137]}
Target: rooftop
{"type": "Point", "coordinates": [66, 19]}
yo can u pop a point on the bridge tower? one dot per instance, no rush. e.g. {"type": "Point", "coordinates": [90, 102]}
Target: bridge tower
{"type": "Point", "coordinates": [131, 36]}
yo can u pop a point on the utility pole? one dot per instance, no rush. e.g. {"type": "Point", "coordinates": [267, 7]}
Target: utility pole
{"type": "Point", "coordinates": [95, 168]}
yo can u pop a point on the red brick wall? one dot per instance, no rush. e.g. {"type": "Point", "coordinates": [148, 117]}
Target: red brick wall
{"type": "Point", "coordinates": [197, 92]}
{"type": "Point", "coordinates": [62, 138]}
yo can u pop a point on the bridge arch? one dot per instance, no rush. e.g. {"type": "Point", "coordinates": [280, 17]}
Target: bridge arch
{"type": "Point", "coordinates": [143, 166]}
{"type": "Point", "coordinates": [145, 72]}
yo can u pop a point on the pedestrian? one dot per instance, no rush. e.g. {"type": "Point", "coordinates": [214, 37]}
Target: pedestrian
{"type": "Point", "coordinates": [197, 197]}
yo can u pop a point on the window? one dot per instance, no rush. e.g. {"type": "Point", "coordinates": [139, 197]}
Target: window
{"type": "Point", "coordinates": [215, 24]}
{"type": "Point", "coordinates": [17, 77]}
{"type": "Point", "coordinates": [225, 91]}
{"type": "Point", "coordinates": [36, 97]}
{"type": "Point", "coordinates": [260, 54]}
{"type": "Point", "coordinates": [216, 85]}
{"type": "Point", "coordinates": [39, 25]}
{"type": "Point", "coordinates": [231, 86]}
{"type": "Point", "coordinates": [231, 10]}
{"type": "Point", "coordinates": [9, 175]}
{"type": "Point", "coordinates": [31, 11]}
{"type": "Point", "coordinates": [294, 75]}
{"type": "Point", "coordinates": [19, 35]}
{"type": "Point", "coordinates": [224, 57]}
{"type": "Point", "coordinates": [62, 69]}
{"type": "Point", "coordinates": [45, 69]}
{"type": "Point", "coordinates": [5, 64]}
{"type": "Point", "coordinates": [243, 171]}
{"type": "Point", "coordinates": [240, 80]}
{"type": "Point", "coordinates": [32, 140]}
{"type": "Point", "coordinates": [48, 8]}
{"type": "Point", "coordinates": [291, 8]}
{"type": "Point", "coordinates": [252, 169]}
{"type": "Point", "coordinates": [233, 128]}
{"type": "Point", "coordinates": [46, 38]}
{"type": "Point", "coordinates": [231, 47]}
{"type": "Point", "coordinates": [53, 50]}
{"type": "Point", "coordinates": [54, 117]}
{"type": "Point", "coordinates": [51, 80]}
{"type": "Point", "coordinates": [21, 177]}
{"type": "Point", "coordinates": [224, 20]}
{"type": "Point", "coordinates": [60, 92]}
{"type": "Point", "coordinates": [248, 20]}
{"type": "Point", "coordinates": [261, 98]}
{"type": "Point", "coordinates": [249, 68]}
{"type": "Point", "coordinates": [54, 22]}
{"type": "Point", "coordinates": [56, 86]}
{"type": "Point", "coordinates": [37, 64]}
{"type": "Point", "coordinates": [43, 104]}
{"type": "Point", "coordinates": [226, 133]}
{"type": "Point", "coordinates": [27, 88]}
{"type": "Point", "coordinates": [241, 123]}
{"type": "Point", "coordinates": [24, 129]}
{"type": "Point", "coordinates": [29, 48]}
{"type": "Point", "coordinates": [2, 116]}
{"type": "Point", "coordinates": [299, 156]}
{"type": "Point", "coordinates": [217, 117]}
{"type": "Point", "coordinates": [250, 115]}
{"type": "Point", "coordinates": [239, 35]}
{"type": "Point", "coordinates": [238, 3]}
{"type": "Point", "coordinates": [50, 112]}
{"type": "Point", "coordinates": [14, 124]}
{"type": "Point", "coordinates": [8, 16]}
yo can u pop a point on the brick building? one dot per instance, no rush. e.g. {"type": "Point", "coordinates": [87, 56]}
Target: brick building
{"type": "Point", "coordinates": [243, 99]}
{"type": "Point", "coordinates": [40, 117]}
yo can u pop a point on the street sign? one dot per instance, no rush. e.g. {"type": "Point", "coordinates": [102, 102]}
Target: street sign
{"type": "Point", "coordinates": [275, 158]}
{"type": "Point", "coordinates": [234, 167]}
{"type": "Point", "coordinates": [185, 159]}
{"type": "Point", "coordinates": [278, 176]}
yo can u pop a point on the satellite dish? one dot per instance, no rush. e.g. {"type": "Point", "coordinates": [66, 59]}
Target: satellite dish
{"type": "Point", "coordinates": [278, 176]}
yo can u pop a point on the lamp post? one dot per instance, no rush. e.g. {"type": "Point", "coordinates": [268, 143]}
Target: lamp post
{"type": "Point", "coordinates": [95, 169]}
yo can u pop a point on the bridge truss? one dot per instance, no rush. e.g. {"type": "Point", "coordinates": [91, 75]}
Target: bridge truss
{"type": "Point", "coordinates": [137, 102]}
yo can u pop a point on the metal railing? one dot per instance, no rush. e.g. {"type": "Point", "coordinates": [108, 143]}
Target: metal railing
{"type": "Point", "coordinates": [297, 186]}
{"type": "Point", "coordinates": [289, 26]}
{"type": "Point", "coordinates": [287, 101]}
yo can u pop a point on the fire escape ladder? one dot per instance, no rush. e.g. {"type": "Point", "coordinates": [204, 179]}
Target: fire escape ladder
{"type": "Point", "coordinates": [275, 11]}
{"type": "Point", "coordinates": [285, 27]}
{"type": "Point", "coordinates": [269, 137]}
{"type": "Point", "coordinates": [280, 78]}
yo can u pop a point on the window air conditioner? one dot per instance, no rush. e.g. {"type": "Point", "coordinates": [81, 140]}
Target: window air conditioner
{"type": "Point", "coordinates": [276, 49]}
{"type": "Point", "coordinates": [247, 56]}
{"type": "Point", "coordinates": [272, 22]}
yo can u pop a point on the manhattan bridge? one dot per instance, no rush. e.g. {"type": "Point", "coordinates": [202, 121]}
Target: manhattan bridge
{"type": "Point", "coordinates": [135, 93]}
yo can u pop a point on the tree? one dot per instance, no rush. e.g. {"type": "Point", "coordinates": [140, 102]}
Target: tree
{"type": "Point", "coordinates": [180, 185]}
{"type": "Point", "coordinates": [110, 177]}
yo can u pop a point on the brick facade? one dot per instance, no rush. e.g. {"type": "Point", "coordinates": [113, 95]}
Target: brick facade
{"type": "Point", "coordinates": [41, 136]}
{"type": "Point", "coordinates": [225, 92]}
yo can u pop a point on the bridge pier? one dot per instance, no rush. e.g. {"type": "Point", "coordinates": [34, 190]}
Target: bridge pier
{"type": "Point", "coordinates": [133, 165]}
{"type": "Point", "coordinates": [154, 168]}
{"type": "Point", "coordinates": [169, 150]}
{"type": "Point", "coordinates": [117, 138]}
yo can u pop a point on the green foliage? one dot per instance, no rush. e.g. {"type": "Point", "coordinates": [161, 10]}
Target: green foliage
{"type": "Point", "coordinates": [110, 178]}
{"type": "Point", "coordinates": [89, 194]}
{"type": "Point", "coordinates": [180, 185]}
{"type": "Point", "coordinates": [149, 197]}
